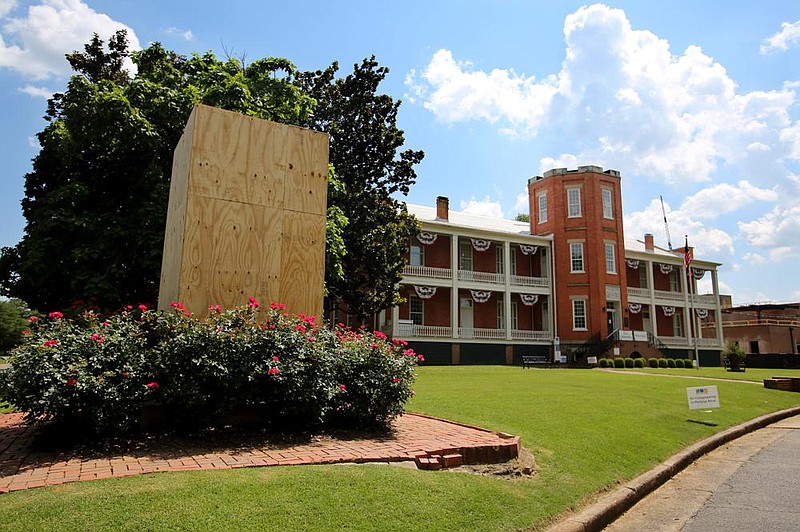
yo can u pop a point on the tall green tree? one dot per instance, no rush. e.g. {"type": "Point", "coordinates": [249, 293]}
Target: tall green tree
{"type": "Point", "coordinates": [365, 145]}
{"type": "Point", "coordinates": [14, 316]}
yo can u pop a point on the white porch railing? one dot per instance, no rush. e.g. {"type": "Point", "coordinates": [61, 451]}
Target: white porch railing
{"type": "Point", "coordinates": [639, 292]}
{"type": "Point", "coordinates": [538, 282]}
{"type": "Point", "coordinates": [708, 299]}
{"type": "Point", "coordinates": [481, 277]}
{"type": "Point", "coordinates": [708, 342]}
{"type": "Point", "coordinates": [427, 271]}
{"type": "Point", "coordinates": [484, 334]}
{"type": "Point", "coordinates": [406, 330]}
{"type": "Point", "coordinates": [517, 334]}
{"type": "Point", "coordinates": [668, 296]}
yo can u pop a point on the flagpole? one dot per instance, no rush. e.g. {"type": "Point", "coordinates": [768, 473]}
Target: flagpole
{"type": "Point", "coordinates": [687, 261]}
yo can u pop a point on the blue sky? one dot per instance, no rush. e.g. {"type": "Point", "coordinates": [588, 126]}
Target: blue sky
{"type": "Point", "coordinates": [693, 101]}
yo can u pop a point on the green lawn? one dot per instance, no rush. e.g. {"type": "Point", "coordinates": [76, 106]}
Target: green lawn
{"type": "Point", "coordinates": [751, 374]}
{"type": "Point", "coordinates": [587, 429]}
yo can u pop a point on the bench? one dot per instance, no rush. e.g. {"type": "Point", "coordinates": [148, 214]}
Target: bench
{"type": "Point", "coordinates": [536, 360]}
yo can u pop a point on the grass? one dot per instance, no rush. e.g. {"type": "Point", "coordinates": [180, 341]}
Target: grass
{"type": "Point", "coordinates": [587, 429]}
{"type": "Point", "coordinates": [752, 374]}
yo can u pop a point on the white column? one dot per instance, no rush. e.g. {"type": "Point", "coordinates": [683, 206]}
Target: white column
{"type": "Point", "coordinates": [652, 305]}
{"type": "Point", "coordinates": [717, 307]}
{"type": "Point", "coordinates": [687, 305]}
{"type": "Point", "coordinates": [507, 296]}
{"type": "Point", "coordinates": [454, 262]}
{"type": "Point", "coordinates": [395, 320]}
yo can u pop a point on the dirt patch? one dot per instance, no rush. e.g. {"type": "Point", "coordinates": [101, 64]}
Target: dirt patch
{"type": "Point", "coordinates": [523, 466]}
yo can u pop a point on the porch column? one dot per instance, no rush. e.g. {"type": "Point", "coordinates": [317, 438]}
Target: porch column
{"type": "Point", "coordinates": [395, 320]}
{"type": "Point", "coordinates": [688, 319]}
{"type": "Point", "coordinates": [652, 294]}
{"type": "Point", "coordinates": [507, 296]}
{"type": "Point", "coordinates": [717, 307]}
{"type": "Point", "coordinates": [454, 262]}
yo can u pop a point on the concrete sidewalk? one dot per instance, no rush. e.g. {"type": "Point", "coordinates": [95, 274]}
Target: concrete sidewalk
{"type": "Point", "coordinates": [430, 443]}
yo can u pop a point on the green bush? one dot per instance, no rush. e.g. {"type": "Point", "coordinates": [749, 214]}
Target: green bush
{"type": "Point", "coordinates": [619, 362]}
{"type": "Point", "coordinates": [662, 363]}
{"type": "Point", "coordinates": [279, 369]}
{"type": "Point", "coordinates": [628, 362]}
{"type": "Point", "coordinates": [670, 362]}
{"type": "Point", "coordinates": [652, 362]}
{"type": "Point", "coordinates": [604, 363]}
{"type": "Point", "coordinates": [679, 363]}
{"type": "Point", "coordinates": [688, 363]}
{"type": "Point", "coordinates": [638, 362]}
{"type": "Point", "coordinates": [14, 315]}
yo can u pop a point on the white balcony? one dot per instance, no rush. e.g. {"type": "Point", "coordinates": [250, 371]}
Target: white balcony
{"type": "Point", "coordinates": [427, 272]}
{"type": "Point", "coordinates": [536, 282]}
{"type": "Point", "coordinates": [543, 336]}
{"type": "Point", "coordinates": [483, 334]}
{"type": "Point", "coordinates": [410, 330]}
{"type": "Point", "coordinates": [481, 277]}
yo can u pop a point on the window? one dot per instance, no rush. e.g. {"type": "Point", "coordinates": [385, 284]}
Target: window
{"type": "Point", "coordinates": [674, 281]}
{"type": "Point", "coordinates": [542, 199]}
{"type": "Point", "coordinates": [514, 315]}
{"type": "Point", "coordinates": [498, 262]}
{"type": "Point", "coordinates": [611, 258]}
{"type": "Point", "coordinates": [514, 262]}
{"type": "Point", "coordinates": [465, 253]}
{"type": "Point", "coordinates": [677, 325]}
{"type": "Point", "coordinates": [578, 314]}
{"type": "Point", "coordinates": [608, 211]}
{"type": "Point", "coordinates": [417, 257]}
{"type": "Point", "coordinates": [643, 276]}
{"type": "Point", "coordinates": [501, 314]}
{"type": "Point", "coordinates": [416, 310]}
{"type": "Point", "coordinates": [754, 347]}
{"type": "Point", "coordinates": [576, 257]}
{"type": "Point", "coordinates": [573, 202]}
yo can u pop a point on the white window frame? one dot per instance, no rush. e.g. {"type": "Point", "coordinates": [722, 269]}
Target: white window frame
{"type": "Point", "coordinates": [498, 260]}
{"type": "Point", "coordinates": [611, 258]}
{"type": "Point", "coordinates": [541, 200]}
{"type": "Point", "coordinates": [579, 322]}
{"type": "Point", "coordinates": [674, 281]}
{"type": "Point", "coordinates": [414, 301]}
{"type": "Point", "coordinates": [514, 316]}
{"type": "Point", "coordinates": [513, 269]}
{"type": "Point", "coordinates": [465, 256]}
{"type": "Point", "coordinates": [576, 256]}
{"type": "Point", "coordinates": [677, 325]}
{"type": "Point", "coordinates": [608, 205]}
{"type": "Point", "coordinates": [501, 314]}
{"type": "Point", "coordinates": [416, 255]}
{"type": "Point", "coordinates": [574, 202]}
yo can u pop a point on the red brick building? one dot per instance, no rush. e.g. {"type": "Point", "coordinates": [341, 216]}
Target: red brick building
{"type": "Point", "coordinates": [568, 284]}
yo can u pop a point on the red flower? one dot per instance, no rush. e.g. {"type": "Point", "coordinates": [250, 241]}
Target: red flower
{"type": "Point", "coordinates": [342, 387]}
{"type": "Point", "coordinates": [26, 332]}
{"type": "Point", "coordinates": [50, 343]}
{"type": "Point", "coordinates": [252, 303]}
{"type": "Point", "coordinates": [152, 385]}
{"type": "Point", "coordinates": [395, 379]}
{"type": "Point", "coordinates": [274, 371]}
{"type": "Point", "coordinates": [381, 335]}
{"type": "Point", "coordinates": [421, 358]}
{"type": "Point", "coordinates": [275, 359]}
{"type": "Point", "coordinates": [277, 306]}
{"type": "Point", "coordinates": [301, 328]}
{"type": "Point", "coordinates": [105, 323]}
{"type": "Point", "coordinates": [72, 382]}
{"type": "Point", "coordinates": [33, 319]}
{"type": "Point", "coordinates": [143, 307]}
{"type": "Point", "coordinates": [124, 374]}
{"type": "Point", "coordinates": [55, 315]}
{"type": "Point", "coordinates": [215, 308]}
{"type": "Point", "coordinates": [97, 337]}
{"type": "Point", "coordinates": [128, 307]}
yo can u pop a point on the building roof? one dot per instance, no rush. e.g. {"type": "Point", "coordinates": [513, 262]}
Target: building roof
{"type": "Point", "coordinates": [471, 221]}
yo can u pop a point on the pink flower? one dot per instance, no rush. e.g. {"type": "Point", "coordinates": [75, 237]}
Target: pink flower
{"type": "Point", "coordinates": [277, 306]}
{"type": "Point", "coordinates": [33, 319]}
{"type": "Point", "coordinates": [374, 346]}
{"type": "Point", "coordinates": [152, 385]}
{"type": "Point", "coordinates": [215, 308]}
{"type": "Point", "coordinates": [342, 387]}
{"type": "Point", "coordinates": [381, 335]}
{"type": "Point", "coordinates": [55, 315]}
{"type": "Point", "coordinates": [421, 358]}
{"type": "Point", "coordinates": [143, 307]}
{"type": "Point", "coordinates": [409, 353]}
{"type": "Point", "coordinates": [275, 359]}
{"type": "Point", "coordinates": [271, 325]}
{"type": "Point", "coordinates": [301, 328]}
{"type": "Point", "coordinates": [50, 343]}
{"type": "Point", "coordinates": [340, 324]}
{"type": "Point", "coordinates": [395, 380]}
{"type": "Point", "coordinates": [72, 382]}
{"type": "Point", "coordinates": [105, 323]}
{"type": "Point", "coordinates": [310, 338]}
{"type": "Point", "coordinates": [128, 307]}
{"type": "Point", "coordinates": [252, 303]}
{"type": "Point", "coordinates": [97, 337]}
{"type": "Point", "coordinates": [274, 371]}
{"type": "Point", "coordinates": [26, 332]}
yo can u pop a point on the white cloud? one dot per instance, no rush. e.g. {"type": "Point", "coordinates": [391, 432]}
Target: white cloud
{"type": "Point", "coordinates": [624, 98]}
{"type": "Point", "coordinates": [754, 258]}
{"type": "Point", "coordinates": [34, 44]}
{"type": "Point", "coordinates": [186, 35]}
{"type": "Point", "coordinates": [521, 203]}
{"type": "Point", "coordinates": [486, 207]}
{"type": "Point", "coordinates": [784, 39]}
{"type": "Point", "coordinates": [6, 6]}
{"type": "Point", "coordinates": [36, 92]}
{"type": "Point", "coordinates": [777, 231]}
{"type": "Point", "coordinates": [724, 198]}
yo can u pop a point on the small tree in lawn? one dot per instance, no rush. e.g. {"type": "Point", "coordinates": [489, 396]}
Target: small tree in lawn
{"type": "Point", "coordinates": [735, 355]}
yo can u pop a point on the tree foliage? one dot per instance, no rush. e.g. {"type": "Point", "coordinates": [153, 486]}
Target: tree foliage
{"type": "Point", "coordinates": [96, 200]}
{"type": "Point", "coordinates": [14, 316]}
{"type": "Point", "coordinates": [364, 144]}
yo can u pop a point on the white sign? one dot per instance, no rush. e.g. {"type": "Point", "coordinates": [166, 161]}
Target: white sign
{"type": "Point", "coordinates": [626, 336]}
{"type": "Point", "coordinates": [591, 360]}
{"type": "Point", "coordinates": [616, 351]}
{"type": "Point", "coordinates": [701, 397]}
{"type": "Point", "coordinates": [640, 336]}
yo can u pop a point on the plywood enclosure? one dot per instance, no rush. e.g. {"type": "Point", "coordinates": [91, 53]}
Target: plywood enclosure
{"type": "Point", "coordinates": [246, 214]}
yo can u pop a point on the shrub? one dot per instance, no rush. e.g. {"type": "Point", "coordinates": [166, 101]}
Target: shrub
{"type": "Point", "coordinates": [679, 363]}
{"type": "Point", "coordinates": [638, 362]}
{"type": "Point", "coordinates": [652, 362]}
{"type": "Point", "coordinates": [628, 362]}
{"type": "Point", "coordinates": [688, 363]}
{"type": "Point", "coordinates": [619, 363]}
{"type": "Point", "coordinates": [662, 363]}
{"type": "Point", "coordinates": [13, 321]}
{"type": "Point", "coordinates": [671, 362]}
{"type": "Point", "coordinates": [280, 369]}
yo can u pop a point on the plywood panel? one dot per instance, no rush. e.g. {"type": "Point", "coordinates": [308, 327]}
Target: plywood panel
{"type": "Point", "coordinates": [302, 262]}
{"type": "Point", "coordinates": [247, 214]}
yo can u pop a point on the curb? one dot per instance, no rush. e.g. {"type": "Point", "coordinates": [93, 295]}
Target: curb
{"type": "Point", "coordinates": [612, 505]}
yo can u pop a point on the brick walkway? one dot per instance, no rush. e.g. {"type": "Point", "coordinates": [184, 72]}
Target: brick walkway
{"type": "Point", "coordinates": [432, 443]}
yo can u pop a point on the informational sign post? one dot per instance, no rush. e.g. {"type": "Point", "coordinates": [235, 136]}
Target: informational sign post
{"type": "Point", "coordinates": [702, 397]}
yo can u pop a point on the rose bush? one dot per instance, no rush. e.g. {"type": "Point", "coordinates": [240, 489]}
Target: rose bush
{"type": "Point", "coordinates": [277, 368]}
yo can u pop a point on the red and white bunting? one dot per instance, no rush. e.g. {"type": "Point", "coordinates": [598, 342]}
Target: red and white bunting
{"type": "Point", "coordinates": [668, 311]}
{"type": "Point", "coordinates": [480, 296]}
{"type": "Point", "coordinates": [427, 238]}
{"type": "Point", "coordinates": [702, 313]}
{"type": "Point", "coordinates": [635, 308]}
{"type": "Point", "coordinates": [529, 300]}
{"type": "Point", "coordinates": [698, 273]}
{"type": "Point", "coordinates": [632, 264]}
{"type": "Point", "coordinates": [425, 292]}
{"type": "Point", "coordinates": [480, 244]}
{"type": "Point", "coordinates": [528, 250]}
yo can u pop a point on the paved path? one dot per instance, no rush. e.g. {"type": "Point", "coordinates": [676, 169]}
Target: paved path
{"type": "Point", "coordinates": [413, 437]}
{"type": "Point", "coordinates": [747, 484]}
